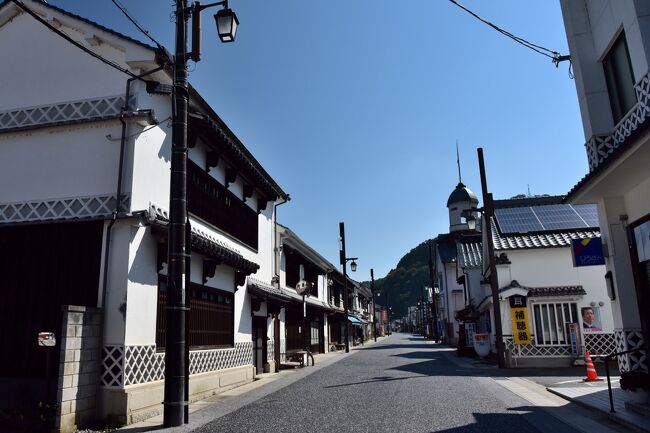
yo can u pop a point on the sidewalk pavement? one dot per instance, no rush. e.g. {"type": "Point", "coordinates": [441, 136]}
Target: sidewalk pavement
{"type": "Point", "coordinates": [595, 396]}
{"type": "Point", "coordinates": [218, 405]}
{"type": "Point", "coordinates": [566, 383]}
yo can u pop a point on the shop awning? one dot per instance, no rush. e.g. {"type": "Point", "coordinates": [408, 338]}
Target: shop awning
{"type": "Point", "coordinates": [354, 320]}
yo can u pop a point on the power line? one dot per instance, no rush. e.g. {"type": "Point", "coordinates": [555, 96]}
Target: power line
{"type": "Point", "coordinates": [136, 24]}
{"type": "Point", "coordinates": [73, 42]}
{"type": "Point", "coordinates": [555, 56]}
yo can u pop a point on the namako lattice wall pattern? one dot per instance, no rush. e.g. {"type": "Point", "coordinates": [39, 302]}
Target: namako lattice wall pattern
{"type": "Point", "coordinates": [131, 365]}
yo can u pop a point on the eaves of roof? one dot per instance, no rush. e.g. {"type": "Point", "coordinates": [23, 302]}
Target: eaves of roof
{"type": "Point", "coordinates": [611, 159]}
{"type": "Point", "coordinates": [539, 239]}
{"type": "Point", "coordinates": [291, 239]}
{"type": "Point", "coordinates": [204, 244]}
{"type": "Point", "coordinates": [260, 288]}
{"type": "Point", "coordinates": [548, 291]}
{"type": "Point", "coordinates": [234, 147]}
{"type": "Point", "coordinates": [85, 20]}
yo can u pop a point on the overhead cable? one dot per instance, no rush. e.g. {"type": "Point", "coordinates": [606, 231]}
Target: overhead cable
{"type": "Point", "coordinates": [555, 56]}
{"type": "Point", "coordinates": [136, 24]}
{"type": "Point", "coordinates": [73, 42]}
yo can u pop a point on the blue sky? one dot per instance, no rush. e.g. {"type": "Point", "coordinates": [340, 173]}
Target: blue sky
{"type": "Point", "coordinates": [354, 107]}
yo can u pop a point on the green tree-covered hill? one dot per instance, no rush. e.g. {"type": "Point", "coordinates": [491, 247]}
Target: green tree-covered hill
{"type": "Point", "coordinates": [404, 285]}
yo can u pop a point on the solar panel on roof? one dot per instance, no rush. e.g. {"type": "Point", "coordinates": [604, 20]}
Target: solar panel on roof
{"type": "Point", "coordinates": [517, 220]}
{"type": "Point", "coordinates": [589, 213]}
{"type": "Point", "coordinates": [558, 217]}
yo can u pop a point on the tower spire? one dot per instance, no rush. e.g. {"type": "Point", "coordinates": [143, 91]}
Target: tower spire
{"type": "Point", "coordinates": [460, 180]}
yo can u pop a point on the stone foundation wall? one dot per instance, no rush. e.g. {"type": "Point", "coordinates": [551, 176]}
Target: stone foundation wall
{"type": "Point", "coordinates": [79, 367]}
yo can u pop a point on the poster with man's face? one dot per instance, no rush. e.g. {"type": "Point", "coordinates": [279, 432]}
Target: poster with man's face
{"type": "Point", "coordinates": [591, 319]}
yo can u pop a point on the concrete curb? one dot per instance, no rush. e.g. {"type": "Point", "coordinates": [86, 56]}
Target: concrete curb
{"type": "Point", "coordinates": [612, 416]}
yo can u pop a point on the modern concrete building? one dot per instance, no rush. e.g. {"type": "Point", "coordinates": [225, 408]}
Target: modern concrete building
{"type": "Point", "coordinates": [609, 42]}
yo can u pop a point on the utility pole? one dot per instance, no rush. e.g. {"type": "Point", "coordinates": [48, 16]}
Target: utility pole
{"type": "Point", "coordinates": [176, 355]}
{"type": "Point", "coordinates": [345, 284]}
{"type": "Point", "coordinates": [174, 396]}
{"type": "Point", "coordinates": [434, 309]}
{"type": "Point", "coordinates": [488, 206]}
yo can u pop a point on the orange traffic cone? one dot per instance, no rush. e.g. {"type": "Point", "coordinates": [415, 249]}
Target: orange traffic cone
{"type": "Point", "coordinates": [592, 376]}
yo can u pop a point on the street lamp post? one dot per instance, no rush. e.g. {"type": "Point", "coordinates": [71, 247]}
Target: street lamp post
{"type": "Point", "coordinates": [434, 311]}
{"type": "Point", "coordinates": [488, 214]}
{"type": "Point", "coordinates": [374, 305]}
{"type": "Point", "coordinates": [353, 267]}
{"type": "Point", "coordinates": [176, 344]}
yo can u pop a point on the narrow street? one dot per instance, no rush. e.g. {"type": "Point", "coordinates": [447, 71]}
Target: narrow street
{"type": "Point", "coordinates": [400, 384]}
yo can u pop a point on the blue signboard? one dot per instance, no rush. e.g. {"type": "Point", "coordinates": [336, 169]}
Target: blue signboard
{"type": "Point", "coordinates": [587, 252]}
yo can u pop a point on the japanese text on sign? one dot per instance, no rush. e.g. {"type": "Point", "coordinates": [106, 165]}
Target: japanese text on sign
{"type": "Point", "coordinates": [520, 328]}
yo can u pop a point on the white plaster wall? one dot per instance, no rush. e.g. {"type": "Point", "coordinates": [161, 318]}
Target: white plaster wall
{"type": "Point", "coordinates": [455, 300]}
{"type": "Point", "coordinates": [637, 200]}
{"type": "Point", "coordinates": [44, 68]}
{"type": "Point", "coordinates": [116, 289]}
{"type": "Point", "coordinates": [625, 306]}
{"type": "Point", "coordinates": [591, 28]}
{"type": "Point", "coordinates": [142, 288]}
{"type": "Point", "coordinates": [455, 219]}
{"type": "Point", "coordinates": [59, 162]}
{"type": "Point", "coordinates": [558, 270]}
{"type": "Point", "coordinates": [148, 154]}
{"type": "Point", "coordinates": [474, 288]}
{"type": "Point", "coordinates": [243, 321]}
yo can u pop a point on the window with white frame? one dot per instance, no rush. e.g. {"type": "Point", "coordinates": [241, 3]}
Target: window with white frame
{"type": "Point", "coordinates": [550, 321]}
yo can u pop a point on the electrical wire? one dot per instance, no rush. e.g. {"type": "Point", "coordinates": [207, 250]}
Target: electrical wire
{"type": "Point", "coordinates": [73, 42]}
{"type": "Point", "coordinates": [555, 56]}
{"type": "Point", "coordinates": [135, 23]}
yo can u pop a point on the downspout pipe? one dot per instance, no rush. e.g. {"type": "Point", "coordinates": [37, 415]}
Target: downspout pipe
{"type": "Point", "coordinates": [276, 271]}
{"type": "Point", "coordinates": [120, 175]}
{"type": "Point", "coordinates": [118, 204]}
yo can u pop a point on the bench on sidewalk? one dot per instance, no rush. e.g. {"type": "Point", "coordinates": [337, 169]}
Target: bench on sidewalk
{"type": "Point", "coordinates": [296, 358]}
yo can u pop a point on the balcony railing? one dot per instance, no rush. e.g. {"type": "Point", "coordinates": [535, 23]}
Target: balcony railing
{"type": "Point", "coordinates": [600, 147]}
{"type": "Point", "coordinates": [215, 204]}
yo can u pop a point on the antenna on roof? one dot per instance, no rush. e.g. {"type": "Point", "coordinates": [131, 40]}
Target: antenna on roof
{"type": "Point", "coordinates": [529, 190]}
{"type": "Point", "coordinates": [460, 180]}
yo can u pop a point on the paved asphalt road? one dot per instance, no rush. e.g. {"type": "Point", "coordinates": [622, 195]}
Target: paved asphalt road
{"type": "Point", "coordinates": [401, 384]}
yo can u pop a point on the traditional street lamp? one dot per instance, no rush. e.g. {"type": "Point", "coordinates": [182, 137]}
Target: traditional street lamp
{"type": "Point", "coordinates": [227, 23]}
{"type": "Point", "coordinates": [353, 266]}
{"type": "Point", "coordinates": [176, 372]}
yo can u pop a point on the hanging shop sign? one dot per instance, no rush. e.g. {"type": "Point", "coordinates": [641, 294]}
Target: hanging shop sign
{"type": "Point", "coordinates": [587, 252]}
{"type": "Point", "coordinates": [520, 327]}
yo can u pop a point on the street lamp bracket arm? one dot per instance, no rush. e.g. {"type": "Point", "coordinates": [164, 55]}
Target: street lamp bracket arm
{"type": "Point", "coordinates": [198, 7]}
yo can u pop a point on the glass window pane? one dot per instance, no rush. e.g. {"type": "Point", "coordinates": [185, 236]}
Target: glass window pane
{"type": "Point", "coordinates": [560, 323]}
{"type": "Point", "coordinates": [539, 335]}
{"type": "Point", "coordinates": [551, 324]}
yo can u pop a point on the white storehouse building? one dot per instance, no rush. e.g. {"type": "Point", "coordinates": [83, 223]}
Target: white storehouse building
{"type": "Point", "coordinates": [85, 168]}
{"type": "Point", "coordinates": [533, 240]}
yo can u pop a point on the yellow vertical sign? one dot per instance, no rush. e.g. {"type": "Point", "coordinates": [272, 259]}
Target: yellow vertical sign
{"type": "Point", "coordinates": [520, 329]}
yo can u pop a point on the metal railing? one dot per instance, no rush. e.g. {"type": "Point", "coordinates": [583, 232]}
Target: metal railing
{"type": "Point", "coordinates": [607, 358]}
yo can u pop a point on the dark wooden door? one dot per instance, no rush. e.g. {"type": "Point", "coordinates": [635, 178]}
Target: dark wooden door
{"type": "Point", "coordinates": [42, 268]}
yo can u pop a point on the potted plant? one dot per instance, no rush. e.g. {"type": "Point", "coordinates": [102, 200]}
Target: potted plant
{"type": "Point", "coordinates": [636, 384]}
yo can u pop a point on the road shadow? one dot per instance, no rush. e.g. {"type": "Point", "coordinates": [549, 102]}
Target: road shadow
{"type": "Point", "coordinates": [404, 346]}
{"type": "Point", "coordinates": [523, 419]}
{"type": "Point", "coordinates": [373, 380]}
